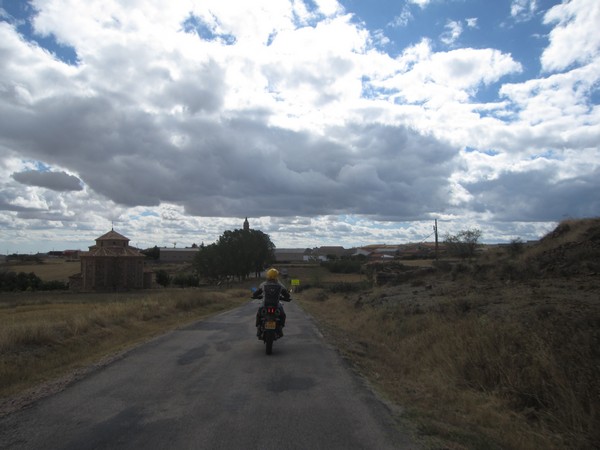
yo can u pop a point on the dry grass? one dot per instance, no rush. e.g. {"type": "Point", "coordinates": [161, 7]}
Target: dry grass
{"type": "Point", "coordinates": [471, 378]}
{"type": "Point", "coordinates": [488, 355]}
{"type": "Point", "coordinates": [45, 335]}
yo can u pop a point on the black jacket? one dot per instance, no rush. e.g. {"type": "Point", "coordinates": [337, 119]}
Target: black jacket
{"type": "Point", "coordinates": [273, 291]}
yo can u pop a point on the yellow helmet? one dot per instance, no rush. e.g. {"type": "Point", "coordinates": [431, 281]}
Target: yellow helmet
{"type": "Point", "coordinates": [272, 274]}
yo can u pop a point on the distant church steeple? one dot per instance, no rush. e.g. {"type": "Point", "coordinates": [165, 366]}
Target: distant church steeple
{"type": "Point", "coordinates": [246, 225]}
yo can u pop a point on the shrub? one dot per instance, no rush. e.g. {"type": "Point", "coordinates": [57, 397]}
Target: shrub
{"type": "Point", "coordinates": [163, 278]}
{"type": "Point", "coordinates": [11, 281]}
{"type": "Point", "coordinates": [186, 280]}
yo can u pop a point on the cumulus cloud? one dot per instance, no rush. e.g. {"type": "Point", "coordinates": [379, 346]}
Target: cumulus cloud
{"type": "Point", "coordinates": [168, 148]}
{"type": "Point", "coordinates": [289, 113]}
{"type": "Point", "coordinates": [574, 39]}
{"type": "Point", "coordinates": [455, 75]}
{"type": "Point", "coordinates": [554, 112]}
{"type": "Point", "coordinates": [6, 205]}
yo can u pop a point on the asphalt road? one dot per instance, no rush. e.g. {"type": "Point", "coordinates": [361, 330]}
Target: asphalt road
{"type": "Point", "coordinates": [211, 386]}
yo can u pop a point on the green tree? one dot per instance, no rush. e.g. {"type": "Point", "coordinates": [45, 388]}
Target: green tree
{"type": "Point", "coordinates": [153, 252]}
{"type": "Point", "coordinates": [463, 244]}
{"type": "Point", "coordinates": [262, 250]}
{"type": "Point", "coordinates": [208, 262]}
{"type": "Point", "coordinates": [236, 253]}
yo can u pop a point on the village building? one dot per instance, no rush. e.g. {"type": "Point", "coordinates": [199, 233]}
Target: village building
{"type": "Point", "coordinates": [178, 255]}
{"type": "Point", "coordinates": [111, 265]}
{"type": "Point", "coordinates": [326, 253]}
{"type": "Point", "coordinates": [292, 255]}
{"type": "Point", "coordinates": [361, 252]}
{"type": "Point", "coordinates": [297, 255]}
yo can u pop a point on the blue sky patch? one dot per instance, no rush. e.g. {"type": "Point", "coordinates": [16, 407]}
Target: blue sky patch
{"type": "Point", "coordinates": [20, 15]}
{"type": "Point", "coordinates": [548, 154]}
{"type": "Point", "coordinates": [195, 25]}
{"type": "Point", "coordinates": [489, 152]}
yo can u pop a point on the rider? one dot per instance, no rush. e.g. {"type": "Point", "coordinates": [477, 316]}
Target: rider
{"type": "Point", "coordinates": [273, 291]}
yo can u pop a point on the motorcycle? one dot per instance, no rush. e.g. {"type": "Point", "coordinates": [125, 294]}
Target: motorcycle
{"type": "Point", "coordinates": [269, 324]}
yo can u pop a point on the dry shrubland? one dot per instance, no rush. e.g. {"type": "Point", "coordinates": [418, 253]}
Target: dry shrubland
{"type": "Point", "coordinates": [499, 352]}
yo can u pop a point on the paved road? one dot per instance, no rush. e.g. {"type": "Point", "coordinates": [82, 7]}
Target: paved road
{"type": "Point", "coordinates": [211, 386]}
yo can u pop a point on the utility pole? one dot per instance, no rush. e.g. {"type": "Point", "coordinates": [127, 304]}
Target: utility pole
{"type": "Point", "coordinates": [435, 230]}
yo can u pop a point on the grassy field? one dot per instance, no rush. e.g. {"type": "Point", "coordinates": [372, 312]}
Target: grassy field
{"type": "Point", "coordinates": [56, 269]}
{"type": "Point", "coordinates": [44, 336]}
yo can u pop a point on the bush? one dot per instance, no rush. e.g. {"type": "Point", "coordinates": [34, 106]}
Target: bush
{"type": "Point", "coordinates": [163, 278]}
{"type": "Point", "coordinates": [11, 281]}
{"type": "Point", "coordinates": [186, 280]}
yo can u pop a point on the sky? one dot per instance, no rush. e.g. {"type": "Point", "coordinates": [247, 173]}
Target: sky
{"type": "Point", "coordinates": [325, 122]}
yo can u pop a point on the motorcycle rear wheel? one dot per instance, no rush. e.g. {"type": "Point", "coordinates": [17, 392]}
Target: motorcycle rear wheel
{"type": "Point", "coordinates": [269, 343]}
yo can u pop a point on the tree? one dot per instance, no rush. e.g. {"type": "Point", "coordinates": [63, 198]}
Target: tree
{"type": "Point", "coordinates": [263, 250]}
{"type": "Point", "coordinates": [153, 253]}
{"type": "Point", "coordinates": [463, 244]}
{"type": "Point", "coordinates": [236, 253]}
{"type": "Point", "coordinates": [208, 262]}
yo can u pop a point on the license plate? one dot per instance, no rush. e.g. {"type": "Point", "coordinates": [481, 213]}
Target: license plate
{"type": "Point", "coordinates": [270, 325]}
